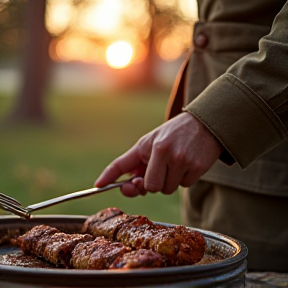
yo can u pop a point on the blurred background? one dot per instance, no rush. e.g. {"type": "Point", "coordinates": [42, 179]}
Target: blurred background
{"type": "Point", "coordinates": [80, 82]}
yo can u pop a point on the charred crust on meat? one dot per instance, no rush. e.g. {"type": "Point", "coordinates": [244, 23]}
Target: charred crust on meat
{"type": "Point", "coordinates": [101, 217]}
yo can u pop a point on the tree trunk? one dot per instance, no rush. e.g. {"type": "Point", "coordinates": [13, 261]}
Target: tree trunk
{"type": "Point", "coordinates": [148, 67]}
{"type": "Point", "coordinates": [29, 102]}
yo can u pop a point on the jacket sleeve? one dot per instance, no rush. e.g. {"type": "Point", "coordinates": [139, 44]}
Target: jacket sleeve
{"type": "Point", "coordinates": [247, 107]}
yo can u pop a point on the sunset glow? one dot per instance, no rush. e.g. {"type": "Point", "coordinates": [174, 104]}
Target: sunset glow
{"type": "Point", "coordinates": [59, 15]}
{"type": "Point", "coordinates": [119, 54]}
{"type": "Point", "coordinates": [86, 28]}
{"type": "Point", "coordinates": [102, 17]}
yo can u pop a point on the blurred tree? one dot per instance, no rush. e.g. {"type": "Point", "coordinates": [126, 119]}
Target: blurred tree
{"type": "Point", "coordinates": [29, 104]}
{"type": "Point", "coordinates": [164, 19]}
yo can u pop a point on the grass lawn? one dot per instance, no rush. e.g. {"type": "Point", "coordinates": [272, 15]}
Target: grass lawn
{"type": "Point", "coordinates": [84, 134]}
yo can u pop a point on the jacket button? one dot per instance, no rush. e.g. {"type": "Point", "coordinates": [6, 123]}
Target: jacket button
{"type": "Point", "coordinates": [201, 40]}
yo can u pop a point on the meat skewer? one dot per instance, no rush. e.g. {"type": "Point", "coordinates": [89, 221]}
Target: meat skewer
{"type": "Point", "coordinates": [51, 244]}
{"type": "Point", "coordinates": [178, 245]}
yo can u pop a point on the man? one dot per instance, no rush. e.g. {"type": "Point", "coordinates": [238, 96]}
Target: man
{"type": "Point", "coordinates": [235, 92]}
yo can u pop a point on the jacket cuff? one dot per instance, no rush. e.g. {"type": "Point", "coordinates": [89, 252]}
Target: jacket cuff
{"type": "Point", "coordinates": [245, 125]}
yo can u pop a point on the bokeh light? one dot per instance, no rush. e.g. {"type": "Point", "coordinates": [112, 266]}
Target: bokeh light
{"type": "Point", "coordinates": [101, 17]}
{"type": "Point", "coordinates": [59, 15]}
{"type": "Point", "coordinates": [119, 54]}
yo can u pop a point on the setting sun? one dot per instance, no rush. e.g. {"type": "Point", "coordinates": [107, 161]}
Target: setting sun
{"type": "Point", "coordinates": [119, 54]}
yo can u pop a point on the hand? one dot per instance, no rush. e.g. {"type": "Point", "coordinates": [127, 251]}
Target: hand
{"type": "Point", "coordinates": [176, 153]}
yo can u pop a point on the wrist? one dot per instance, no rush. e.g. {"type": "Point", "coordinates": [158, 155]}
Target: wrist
{"type": "Point", "coordinates": [209, 135]}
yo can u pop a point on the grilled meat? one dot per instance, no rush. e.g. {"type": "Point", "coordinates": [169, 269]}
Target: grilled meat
{"type": "Point", "coordinates": [178, 245]}
{"type": "Point", "coordinates": [97, 254]}
{"type": "Point", "coordinates": [51, 244]}
{"type": "Point", "coordinates": [141, 258]}
{"type": "Point", "coordinates": [33, 240]}
{"type": "Point", "coordinates": [138, 232]}
{"type": "Point", "coordinates": [60, 247]}
{"type": "Point", "coordinates": [106, 223]}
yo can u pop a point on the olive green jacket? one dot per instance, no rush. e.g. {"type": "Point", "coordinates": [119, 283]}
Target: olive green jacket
{"type": "Point", "coordinates": [236, 83]}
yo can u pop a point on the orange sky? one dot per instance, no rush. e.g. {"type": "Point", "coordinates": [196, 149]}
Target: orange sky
{"type": "Point", "coordinates": [104, 18]}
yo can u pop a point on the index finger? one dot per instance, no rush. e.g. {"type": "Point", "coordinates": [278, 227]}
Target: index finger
{"type": "Point", "coordinates": [126, 163]}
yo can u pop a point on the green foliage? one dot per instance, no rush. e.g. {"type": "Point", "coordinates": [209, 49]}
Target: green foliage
{"type": "Point", "coordinates": [84, 135]}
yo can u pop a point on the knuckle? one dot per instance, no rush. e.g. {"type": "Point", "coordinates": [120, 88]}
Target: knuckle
{"type": "Point", "coordinates": [141, 141]}
{"type": "Point", "coordinates": [180, 157]}
{"type": "Point", "coordinates": [198, 167]}
{"type": "Point", "coordinates": [161, 147]}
